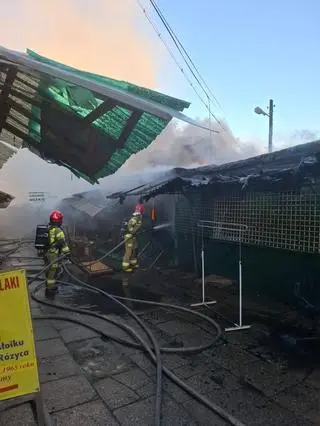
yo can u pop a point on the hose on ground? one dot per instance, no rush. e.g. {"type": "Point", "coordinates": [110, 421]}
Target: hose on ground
{"type": "Point", "coordinates": [156, 356]}
{"type": "Point", "coordinates": [148, 333]}
{"type": "Point", "coordinates": [202, 399]}
{"type": "Point", "coordinates": [218, 410]}
{"type": "Point", "coordinates": [169, 350]}
{"type": "Point", "coordinates": [192, 349]}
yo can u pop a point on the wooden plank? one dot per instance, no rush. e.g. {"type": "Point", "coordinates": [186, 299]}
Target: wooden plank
{"type": "Point", "coordinates": [20, 134]}
{"type": "Point", "coordinates": [131, 123]}
{"type": "Point", "coordinates": [95, 268]}
{"type": "Point", "coordinates": [96, 113]}
{"type": "Point", "coordinates": [49, 152]}
{"type": "Point", "coordinates": [68, 152]}
{"type": "Point", "coordinates": [98, 158]}
{"type": "Point", "coordinates": [4, 106]}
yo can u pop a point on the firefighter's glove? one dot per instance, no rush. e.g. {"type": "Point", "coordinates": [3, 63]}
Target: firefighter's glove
{"type": "Point", "coordinates": [128, 237]}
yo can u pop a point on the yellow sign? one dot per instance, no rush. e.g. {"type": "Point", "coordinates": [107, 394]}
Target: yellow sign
{"type": "Point", "coordinates": [18, 361]}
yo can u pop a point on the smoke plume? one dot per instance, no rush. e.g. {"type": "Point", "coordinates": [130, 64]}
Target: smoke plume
{"type": "Point", "coordinates": [106, 37]}
{"type": "Point", "coordinates": [192, 146]}
{"type": "Point", "coordinates": [305, 135]}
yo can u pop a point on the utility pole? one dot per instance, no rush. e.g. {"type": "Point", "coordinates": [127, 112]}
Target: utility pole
{"type": "Point", "coordinates": [271, 105]}
{"type": "Point", "coordinates": [260, 111]}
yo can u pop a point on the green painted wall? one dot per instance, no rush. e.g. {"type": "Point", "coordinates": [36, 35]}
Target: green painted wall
{"type": "Point", "coordinates": [266, 271]}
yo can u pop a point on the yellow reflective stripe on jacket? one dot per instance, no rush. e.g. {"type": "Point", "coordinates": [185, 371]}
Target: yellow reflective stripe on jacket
{"type": "Point", "coordinates": [134, 225]}
{"type": "Point", "coordinates": [52, 236]}
{"type": "Point", "coordinates": [57, 240]}
{"type": "Point", "coordinates": [65, 249]}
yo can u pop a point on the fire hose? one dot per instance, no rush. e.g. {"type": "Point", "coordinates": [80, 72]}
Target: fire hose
{"type": "Point", "coordinates": [153, 352]}
{"type": "Point", "coordinates": [115, 248]}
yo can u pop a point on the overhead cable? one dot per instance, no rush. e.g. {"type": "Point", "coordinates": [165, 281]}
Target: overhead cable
{"type": "Point", "coordinates": [157, 31]}
{"type": "Point", "coordinates": [192, 68]}
{"type": "Point", "coordinates": [183, 51]}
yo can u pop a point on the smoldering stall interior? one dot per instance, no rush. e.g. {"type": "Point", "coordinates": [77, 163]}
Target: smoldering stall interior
{"type": "Point", "coordinates": [274, 196]}
{"type": "Point", "coordinates": [94, 226]}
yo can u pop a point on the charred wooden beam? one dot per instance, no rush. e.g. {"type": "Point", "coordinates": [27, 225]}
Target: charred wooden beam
{"type": "Point", "coordinates": [61, 140]}
{"type": "Point", "coordinates": [96, 113]}
{"type": "Point", "coordinates": [130, 125]}
{"type": "Point", "coordinates": [61, 156]}
{"type": "Point", "coordinates": [29, 81]}
{"type": "Point", "coordinates": [105, 106]}
{"type": "Point", "coordinates": [51, 104]}
{"type": "Point", "coordinates": [4, 106]}
{"type": "Point", "coordinates": [16, 132]}
{"type": "Point", "coordinates": [69, 152]}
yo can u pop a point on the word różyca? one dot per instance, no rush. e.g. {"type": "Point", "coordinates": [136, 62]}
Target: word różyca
{"type": "Point", "coordinates": [13, 356]}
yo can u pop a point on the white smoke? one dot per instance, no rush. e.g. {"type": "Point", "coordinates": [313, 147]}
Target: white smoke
{"type": "Point", "coordinates": [191, 146]}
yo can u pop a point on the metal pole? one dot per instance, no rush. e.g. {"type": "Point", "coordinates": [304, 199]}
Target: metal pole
{"type": "Point", "coordinates": [144, 249]}
{"type": "Point", "coordinates": [240, 294]}
{"type": "Point", "coordinates": [240, 281]}
{"type": "Point", "coordinates": [270, 125]}
{"type": "Point", "coordinates": [203, 282]}
{"type": "Point", "coordinates": [156, 260]}
{"type": "Point", "coordinates": [203, 303]}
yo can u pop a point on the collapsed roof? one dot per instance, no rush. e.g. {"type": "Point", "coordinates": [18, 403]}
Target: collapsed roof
{"type": "Point", "coordinates": [288, 169]}
{"type": "Point", "coordinates": [283, 170]}
{"type": "Point", "coordinates": [86, 122]}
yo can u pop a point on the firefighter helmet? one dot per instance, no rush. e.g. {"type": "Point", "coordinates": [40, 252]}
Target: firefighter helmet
{"type": "Point", "coordinates": [139, 209]}
{"type": "Point", "coordinates": [56, 217]}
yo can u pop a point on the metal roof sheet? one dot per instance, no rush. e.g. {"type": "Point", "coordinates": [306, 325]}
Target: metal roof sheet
{"type": "Point", "coordinates": [86, 122]}
{"type": "Point", "coordinates": [287, 169]}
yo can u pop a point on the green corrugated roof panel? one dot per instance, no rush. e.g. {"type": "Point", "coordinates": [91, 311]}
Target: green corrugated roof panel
{"type": "Point", "coordinates": [80, 102]}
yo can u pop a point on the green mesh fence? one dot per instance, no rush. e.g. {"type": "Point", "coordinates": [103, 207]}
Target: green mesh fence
{"type": "Point", "coordinates": [279, 250]}
{"type": "Point", "coordinates": [81, 102]}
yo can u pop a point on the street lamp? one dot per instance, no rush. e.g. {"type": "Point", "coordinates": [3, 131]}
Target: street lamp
{"type": "Point", "coordinates": [260, 111]}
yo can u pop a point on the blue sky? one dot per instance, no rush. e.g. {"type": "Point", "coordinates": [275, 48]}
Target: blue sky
{"type": "Point", "coordinates": [248, 52]}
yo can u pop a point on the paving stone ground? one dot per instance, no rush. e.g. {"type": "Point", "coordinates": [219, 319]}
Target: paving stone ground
{"type": "Point", "coordinates": [89, 380]}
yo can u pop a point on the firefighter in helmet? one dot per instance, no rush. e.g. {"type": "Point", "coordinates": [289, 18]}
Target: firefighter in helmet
{"type": "Point", "coordinates": [57, 246]}
{"type": "Point", "coordinates": [129, 261]}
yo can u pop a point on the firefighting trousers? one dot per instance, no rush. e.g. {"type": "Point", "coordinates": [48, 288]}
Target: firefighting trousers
{"type": "Point", "coordinates": [52, 272]}
{"type": "Point", "coordinates": [129, 261]}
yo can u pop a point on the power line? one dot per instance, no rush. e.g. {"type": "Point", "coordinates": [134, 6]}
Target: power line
{"type": "Point", "coordinates": [207, 105]}
{"type": "Point", "coordinates": [183, 51]}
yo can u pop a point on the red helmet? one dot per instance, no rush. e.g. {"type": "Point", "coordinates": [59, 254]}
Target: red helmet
{"type": "Point", "coordinates": [56, 217]}
{"type": "Point", "coordinates": [139, 209]}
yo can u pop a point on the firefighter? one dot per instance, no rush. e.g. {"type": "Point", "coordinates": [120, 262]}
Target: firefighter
{"type": "Point", "coordinates": [57, 246]}
{"type": "Point", "coordinates": [130, 261]}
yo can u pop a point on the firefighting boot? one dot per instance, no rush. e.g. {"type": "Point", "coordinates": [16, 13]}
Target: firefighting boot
{"type": "Point", "coordinates": [50, 293]}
